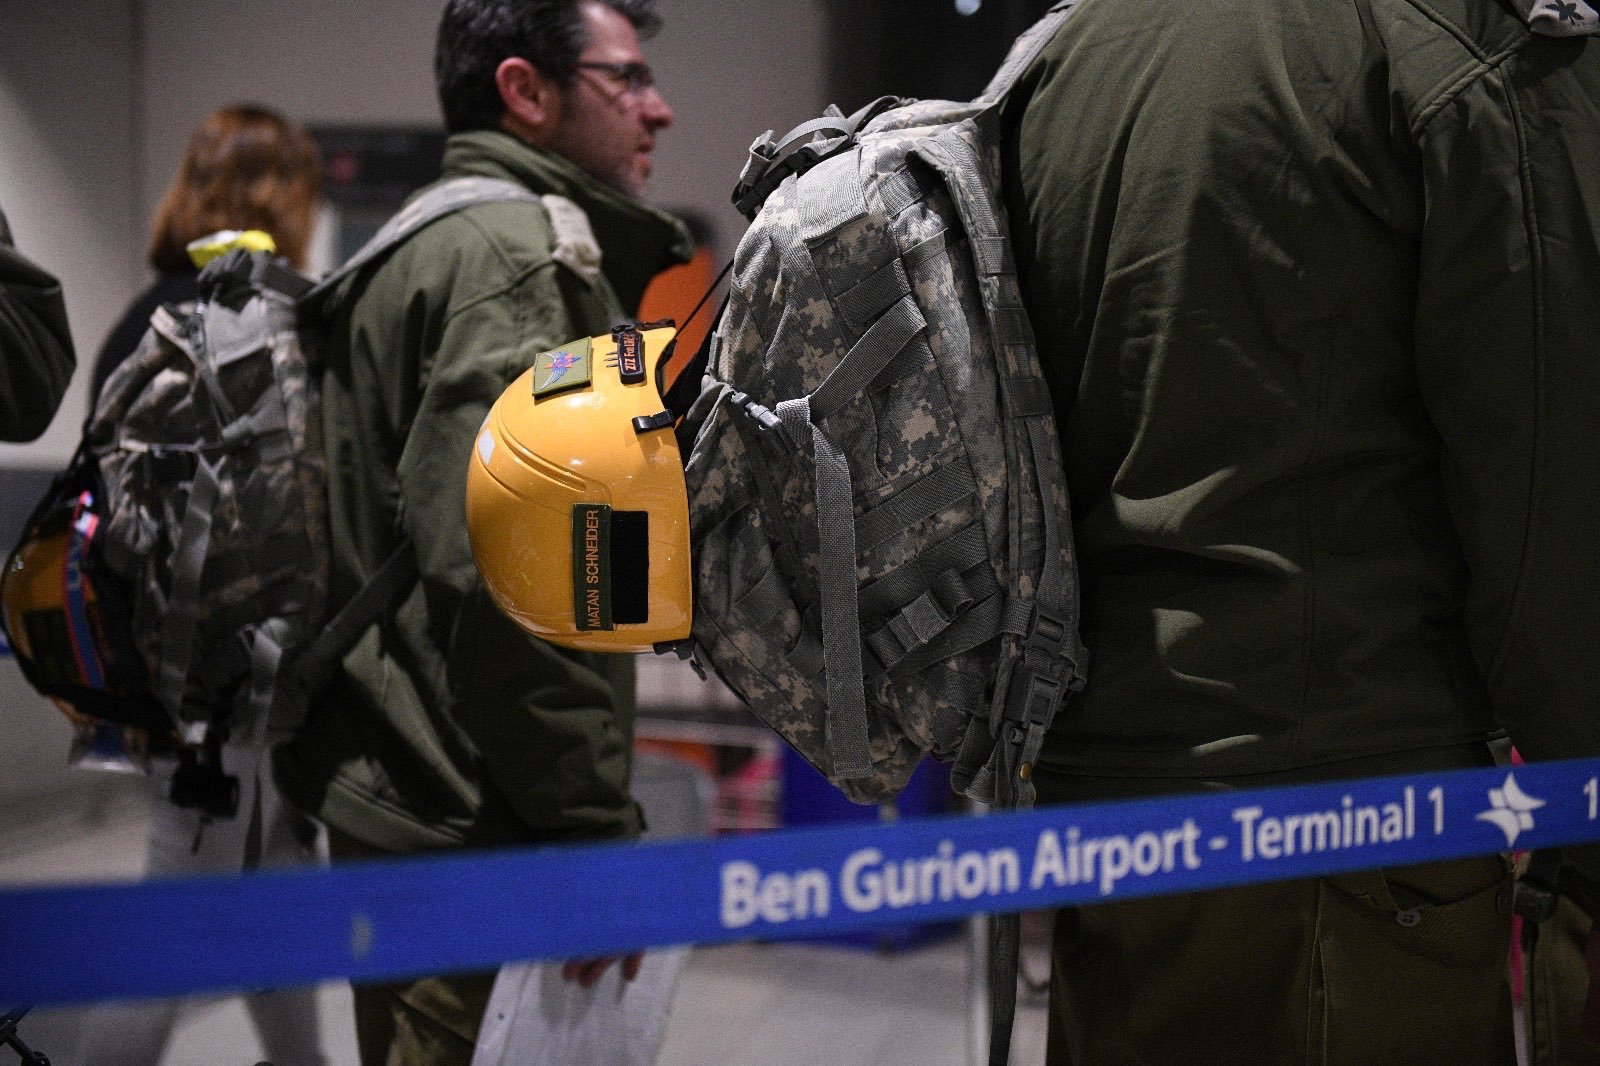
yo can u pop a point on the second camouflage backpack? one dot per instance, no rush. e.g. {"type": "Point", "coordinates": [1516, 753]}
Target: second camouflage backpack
{"type": "Point", "coordinates": [882, 536]}
{"type": "Point", "coordinates": [174, 579]}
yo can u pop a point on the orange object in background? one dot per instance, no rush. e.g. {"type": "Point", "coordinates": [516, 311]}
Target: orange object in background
{"type": "Point", "coordinates": [673, 293]}
{"type": "Point", "coordinates": [701, 756]}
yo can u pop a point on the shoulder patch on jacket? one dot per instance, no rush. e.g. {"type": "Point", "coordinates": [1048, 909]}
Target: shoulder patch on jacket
{"type": "Point", "coordinates": [575, 246]}
{"type": "Point", "coordinates": [1560, 18]}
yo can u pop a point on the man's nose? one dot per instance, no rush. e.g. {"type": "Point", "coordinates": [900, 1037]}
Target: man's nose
{"type": "Point", "coordinates": [654, 110]}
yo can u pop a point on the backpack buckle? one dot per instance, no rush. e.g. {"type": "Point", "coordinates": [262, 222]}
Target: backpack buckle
{"type": "Point", "coordinates": [763, 151]}
{"type": "Point", "coordinates": [764, 418]}
{"type": "Point", "coordinates": [1533, 894]}
{"type": "Point", "coordinates": [1534, 902]}
{"type": "Point", "coordinates": [1051, 639]}
{"type": "Point", "coordinates": [1044, 673]}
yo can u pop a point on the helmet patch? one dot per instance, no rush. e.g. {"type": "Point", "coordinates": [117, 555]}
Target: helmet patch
{"type": "Point", "coordinates": [567, 367]}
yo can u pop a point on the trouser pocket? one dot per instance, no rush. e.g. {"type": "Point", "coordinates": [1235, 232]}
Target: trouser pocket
{"type": "Point", "coordinates": [1411, 966]}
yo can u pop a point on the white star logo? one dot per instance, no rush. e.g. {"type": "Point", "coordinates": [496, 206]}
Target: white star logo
{"type": "Point", "coordinates": [1512, 810]}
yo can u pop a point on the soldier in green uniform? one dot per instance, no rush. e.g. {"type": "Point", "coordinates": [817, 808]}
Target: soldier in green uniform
{"type": "Point", "coordinates": [448, 726]}
{"type": "Point", "coordinates": [1314, 284]}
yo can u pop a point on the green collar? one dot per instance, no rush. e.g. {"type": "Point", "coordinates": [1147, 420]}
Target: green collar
{"type": "Point", "coordinates": [637, 242]}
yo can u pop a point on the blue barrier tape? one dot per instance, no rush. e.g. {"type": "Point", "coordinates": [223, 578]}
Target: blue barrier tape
{"type": "Point", "coordinates": [393, 918]}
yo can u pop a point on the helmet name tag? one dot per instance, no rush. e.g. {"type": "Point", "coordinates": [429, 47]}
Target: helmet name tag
{"type": "Point", "coordinates": [591, 566]}
{"type": "Point", "coordinates": [630, 355]}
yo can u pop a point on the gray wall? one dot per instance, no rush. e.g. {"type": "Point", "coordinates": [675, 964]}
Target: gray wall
{"type": "Point", "coordinates": [98, 96]}
{"type": "Point", "coordinates": [67, 170]}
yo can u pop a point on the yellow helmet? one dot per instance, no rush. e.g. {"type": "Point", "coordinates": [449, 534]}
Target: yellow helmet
{"type": "Point", "coordinates": [576, 506]}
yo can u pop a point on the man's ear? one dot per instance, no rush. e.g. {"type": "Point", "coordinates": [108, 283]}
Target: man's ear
{"type": "Point", "coordinates": [532, 100]}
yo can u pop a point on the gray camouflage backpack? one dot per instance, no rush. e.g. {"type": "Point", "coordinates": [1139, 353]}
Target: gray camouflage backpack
{"type": "Point", "coordinates": [881, 531]}
{"type": "Point", "coordinates": [882, 540]}
{"type": "Point", "coordinates": [207, 489]}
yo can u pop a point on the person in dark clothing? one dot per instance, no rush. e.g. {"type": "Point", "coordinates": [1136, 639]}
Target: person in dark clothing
{"type": "Point", "coordinates": [245, 167]}
{"type": "Point", "coordinates": [1313, 286]}
{"type": "Point", "coordinates": [36, 356]}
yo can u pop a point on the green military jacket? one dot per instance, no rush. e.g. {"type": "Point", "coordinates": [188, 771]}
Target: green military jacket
{"type": "Point", "coordinates": [1314, 283]}
{"type": "Point", "coordinates": [36, 357]}
{"type": "Point", "coordinates": [449, 725]}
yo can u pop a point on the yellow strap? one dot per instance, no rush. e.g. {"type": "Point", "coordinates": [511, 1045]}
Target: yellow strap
{"type": "Point", "coordinates": [210, 247]}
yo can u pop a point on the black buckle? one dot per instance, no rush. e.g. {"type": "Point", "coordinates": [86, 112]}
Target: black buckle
{"type": "Point", "coordinates": [200, 782]}
{"type": "Point", "coordinates": [650, 423]}
{"type": "Point", "coordinates": [683, 649]}
{"type": "Point", "coordinates": [1533, 901]}
{"type": "Point", "coordinates": [1534, 894]}
{"type": "Point", "coordinates": [1038, 686]}
{"type": "Point", "coordinates": [764, 418]}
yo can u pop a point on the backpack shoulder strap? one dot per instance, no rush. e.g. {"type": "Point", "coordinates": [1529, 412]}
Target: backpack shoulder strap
{"type": "Point", "coordinates": [1024, 51]}
{"type": "Point", "coordinates": [379, 596]}
{"type": "Point", "coordinates": [575, 245]}
{"type": "Point", "coordinates": [439, 201]}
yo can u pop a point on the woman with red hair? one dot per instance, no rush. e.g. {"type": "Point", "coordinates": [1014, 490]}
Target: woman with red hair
{"type": "Point", "coordinates": [245, 168]}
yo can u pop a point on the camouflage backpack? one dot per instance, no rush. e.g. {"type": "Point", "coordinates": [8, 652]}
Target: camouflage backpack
{"type": "Point", "coordinates": [882, 542]}
{"type": "Point", "coordinates": [194, 521]}
{"type": "Point", "coordinates": [881, 532]}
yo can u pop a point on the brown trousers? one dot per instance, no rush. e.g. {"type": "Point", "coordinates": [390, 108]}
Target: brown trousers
{"type": "Point", "coordinates": [1556, 979]}
{"type": "Point", "coordinates": [429, 1021]}
{"type": "Point", "coordinates": [1405, 967]}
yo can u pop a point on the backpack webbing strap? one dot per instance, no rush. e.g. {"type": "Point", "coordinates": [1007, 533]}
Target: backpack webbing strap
{"type": "Point", "coordinates": [272, 275]}
{"type": "Point", "coordinates": [437, 202]}
{"type": "Point", "coordinates": [1005, 947]}
{"type": "Point", "coordinates": [945, 487]}
{"type": "Point", "coordinates": [874, 294]}
{"type": "Point", "coordinates": [960, 552]}
{"type": "Point", "coordinates": [266, 660]}
{"type": "Point", "coordinates": [848, 753]}
{"type": "Point", "coordinates": [976, 626]}
{"type": "Point", "coordinates": [183, 599]}
{"type": "Point", "coordinates": [208, 322]}
{"type": "Point", "coordinates": [866, 359]}
{"type": "Point", "coordinates": [836, 529]}
{"type": "Point", "coordinates": [1024, 51]}
{"type": "Point", "coordinates": [377, 597]}
{"type": "Point", "coordinates": [264, 645]}
{"type": "Point", "coordinates": [767, 166]}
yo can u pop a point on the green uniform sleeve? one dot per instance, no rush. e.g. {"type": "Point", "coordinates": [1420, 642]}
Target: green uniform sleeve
{"type": "Point", "coordinates": [1508, 371]}
{"type": "Point", "coordinates": [36, 357]}
{"type": "Point", "coordinates": [572, 783]}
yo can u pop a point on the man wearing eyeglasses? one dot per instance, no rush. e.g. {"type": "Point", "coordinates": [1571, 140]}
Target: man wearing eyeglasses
{"type": "Point", "coordinates": [448, 726]}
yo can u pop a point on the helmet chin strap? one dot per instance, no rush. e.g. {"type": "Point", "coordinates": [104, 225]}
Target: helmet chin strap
{"type": "Point", "coordinates": [681, 393]}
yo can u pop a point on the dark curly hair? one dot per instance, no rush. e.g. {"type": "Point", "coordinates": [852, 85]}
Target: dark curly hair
{"type": "Point", "coordinates": [476, 36]}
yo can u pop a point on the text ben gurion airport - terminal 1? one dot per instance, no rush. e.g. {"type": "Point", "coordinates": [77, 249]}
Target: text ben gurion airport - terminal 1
{"type": "Point", "coordinates": [866, 881]}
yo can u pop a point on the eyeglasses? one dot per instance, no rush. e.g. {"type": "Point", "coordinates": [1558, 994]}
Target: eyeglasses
{"type": "Point", "coordinates": [636, 77]}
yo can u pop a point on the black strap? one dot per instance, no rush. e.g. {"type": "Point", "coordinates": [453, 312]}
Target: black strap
{"type": "Point", "coordinates": [10, 1039]}
{"type": "Point", "coordinates": [685, 389]}
{"type": "Point", "coordinates": [382, 592]}
{"type": "Point", "coordinates": [1534, 894]}
{"type": "Point", "coordinates": [1005, 944]}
